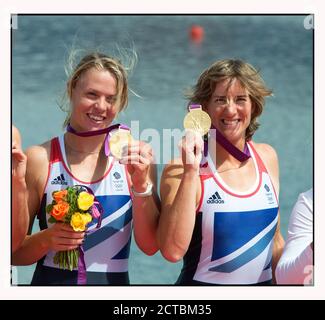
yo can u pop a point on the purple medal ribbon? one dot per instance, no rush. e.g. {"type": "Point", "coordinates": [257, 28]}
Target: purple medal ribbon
{"type": "Point", "coordinates": [82, 273]}
{"type": "Point", "coordinates": [227, 145]}
{"type": "Point", "coordinates": [97, 213]}
{"type": "Point", "coordinates": [99, 132]}
{"type": "Point", "coordinates": [194, 106]}
{"type": "Point", "coordinates": [234, 151]}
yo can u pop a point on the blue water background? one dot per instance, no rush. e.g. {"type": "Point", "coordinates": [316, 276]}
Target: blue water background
{"type": "Point", "coordinates": [169, 62]}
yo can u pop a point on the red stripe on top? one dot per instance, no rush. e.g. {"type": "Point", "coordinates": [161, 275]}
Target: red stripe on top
{"type": "Point", "coordinates": [202, 178]}
{"type": "Point", "coordinates": [260, 168]}
{"type": "Point", "coordinates": [54, 157]}
{"type": "Point", "coordinates": [57, 154]}
{"type": "Point", "coordinates": [260, 163]}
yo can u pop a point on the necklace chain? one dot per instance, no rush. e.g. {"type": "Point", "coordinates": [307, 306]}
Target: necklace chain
{"type": "Point", "coordinates": [83, 152]}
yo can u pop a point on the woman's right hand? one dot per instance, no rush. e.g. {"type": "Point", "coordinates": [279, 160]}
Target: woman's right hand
{"type": "Point", "coordinates": [191, 148]}
{"type": "Point", "coordinates": [61, 237]}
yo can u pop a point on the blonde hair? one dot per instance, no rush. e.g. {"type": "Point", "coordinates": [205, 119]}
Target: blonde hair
{"type": "Point", "coordinates": [232, 69]}
{"type": "Point", "coordinates": [99, 61]}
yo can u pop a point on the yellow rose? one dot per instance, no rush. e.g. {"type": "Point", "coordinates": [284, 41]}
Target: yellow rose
{"type": "Point", "coordinates": [87, 217]}
{"type": "Point", "coordinates": [85, 200]}
{"type": "Point", "coordinates": [80, 220]}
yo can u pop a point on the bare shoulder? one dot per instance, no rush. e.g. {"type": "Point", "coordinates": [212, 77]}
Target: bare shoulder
{"type": "Point", "coordinates": [270, 160]}
{"type": "Point", "coordinates": [39, 154]}
{"type": "Point", "coordinates": [267, 153]}
{"type": "Point", "coordinates": [38, 158]}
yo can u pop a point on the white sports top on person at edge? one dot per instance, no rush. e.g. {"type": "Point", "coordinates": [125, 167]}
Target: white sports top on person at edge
{"type": "Point", "coordinates": [296, 263]}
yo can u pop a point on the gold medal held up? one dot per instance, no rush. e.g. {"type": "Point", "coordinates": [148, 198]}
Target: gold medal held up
{"type": "Point", "coordinates": [118, 142]}
{"type": "Point", "coordinates": [197, 120]}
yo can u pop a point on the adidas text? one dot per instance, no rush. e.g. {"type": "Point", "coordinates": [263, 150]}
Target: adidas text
{"type": "Point", "coordinates": [218, 201]}
{"type": "Point", "coordinates": [59, 182]}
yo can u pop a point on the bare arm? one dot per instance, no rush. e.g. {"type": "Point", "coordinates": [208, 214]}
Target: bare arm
{"type": "Point", "coordinates": [59, 237]}
{"type": "Point", "coordinates": [180, 193]}
{"type": "Point", "coordinates": [142, 171]}
{"type": "Point", "coordinates": [145, 216]}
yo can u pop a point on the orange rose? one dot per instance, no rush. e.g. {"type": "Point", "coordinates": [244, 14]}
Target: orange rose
{"type": "Point", "coordinates": [60, 195]}
{"type": "Point", "coordinates": [59, 210]}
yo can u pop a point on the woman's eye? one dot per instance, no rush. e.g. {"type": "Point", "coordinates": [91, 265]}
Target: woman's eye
{"type": "Point", "coordinates": [111, 99]}
{"type": "Point", "coordinates": [221, 101]}
{"type": "Point", "coordinates": [91, 94]}
{"type": "Point", "coordinates": [241, 99]}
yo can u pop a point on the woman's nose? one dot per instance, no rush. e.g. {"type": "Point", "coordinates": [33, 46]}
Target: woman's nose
{"type": "Point", "coordinates": [231, 106]}
{"type": "Point", "coordinates": [100, 104]}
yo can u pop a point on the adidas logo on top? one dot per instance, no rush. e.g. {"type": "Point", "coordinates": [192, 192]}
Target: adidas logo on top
{"type": "Point", "coordinates": [215, 198]}
{"type": "Point", "coordinates": [59, 180]}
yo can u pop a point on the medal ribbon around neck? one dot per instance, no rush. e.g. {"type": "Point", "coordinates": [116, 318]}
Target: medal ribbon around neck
{"type": "Point", "coordinates": [232, 149]}
{"type": "Point", "coordinates": [106, 131]}
{"type": "Point", "coordinates": [197, 120]}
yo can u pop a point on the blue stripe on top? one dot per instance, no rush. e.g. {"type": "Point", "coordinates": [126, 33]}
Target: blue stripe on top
{"type": "Point", "coordinates": [124, 252]}
{"type": "Point", "coordinates": [110, 204]}
{"type": "Point", "coordinates": [108, 230]}
{"type": "Point", "coordinates": [246, 256]}
{"type": "Point", "coordinates": [232, 230]}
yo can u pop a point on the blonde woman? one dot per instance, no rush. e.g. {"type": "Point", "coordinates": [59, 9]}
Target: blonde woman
{"type": "Point", "coordinates": [97, 90]}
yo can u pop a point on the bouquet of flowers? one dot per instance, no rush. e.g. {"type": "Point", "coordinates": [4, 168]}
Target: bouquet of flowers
{"type": "Point", "coordinates": [75, 206]}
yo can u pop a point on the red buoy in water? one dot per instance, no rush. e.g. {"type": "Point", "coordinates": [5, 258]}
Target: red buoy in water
{"type": "Point", "coordinates": [197, 33]}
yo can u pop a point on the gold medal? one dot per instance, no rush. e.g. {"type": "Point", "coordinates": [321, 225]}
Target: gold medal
{"type": "Point", "coordinates": [118, 141]}
{"type": "Point", "coordinates": [197, 120]}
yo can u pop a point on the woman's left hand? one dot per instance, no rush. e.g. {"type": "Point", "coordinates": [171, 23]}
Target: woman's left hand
{"type": "Point", "coordinates": [138, 160]}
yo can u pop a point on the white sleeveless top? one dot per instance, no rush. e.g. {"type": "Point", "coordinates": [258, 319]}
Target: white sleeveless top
{"type": "Point", "coordinates": [233, 235]}
{"type": "Point", "coordinates": [106, 249]}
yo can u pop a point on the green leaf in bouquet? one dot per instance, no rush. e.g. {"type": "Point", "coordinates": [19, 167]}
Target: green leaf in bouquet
{"type": "Point", "coordinates": [72, 200]}
{"type": "Point", "coordinates": [49, 208]}
{"type": "Point", "coordinates": [52, 220]}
